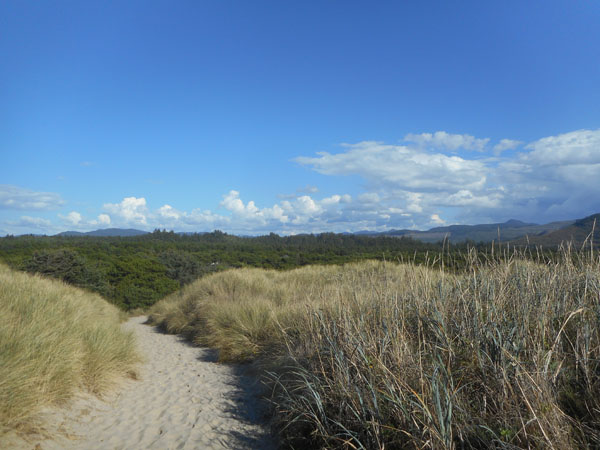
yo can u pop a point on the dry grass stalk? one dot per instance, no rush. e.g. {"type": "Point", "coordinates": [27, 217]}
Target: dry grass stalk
{"type": "Point", "coordinates": [54, 340]}
{"type": "Point", "coordinates": [382, 355]}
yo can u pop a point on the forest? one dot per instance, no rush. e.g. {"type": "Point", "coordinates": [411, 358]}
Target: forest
{"type": "Point", "coordinates": [135, 272]}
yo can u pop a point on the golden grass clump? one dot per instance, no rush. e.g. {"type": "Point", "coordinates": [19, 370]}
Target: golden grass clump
{"type": "Point", "coordinates": [379, 355]}
{"type": "Point", "coordinates": [54, 340]}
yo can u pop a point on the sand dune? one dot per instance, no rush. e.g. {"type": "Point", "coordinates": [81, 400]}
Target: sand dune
{"type": "Point", "coordinates": [182, 400]}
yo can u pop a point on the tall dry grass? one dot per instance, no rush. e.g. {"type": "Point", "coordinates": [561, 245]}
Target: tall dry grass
{"type": "Point", "coordinates": [381, 355]}
{"type": "Point", "coordinates": [54, 340]}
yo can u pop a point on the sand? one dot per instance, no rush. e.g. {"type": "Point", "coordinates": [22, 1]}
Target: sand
{"type": "Point", "coordinates": [182, 399]}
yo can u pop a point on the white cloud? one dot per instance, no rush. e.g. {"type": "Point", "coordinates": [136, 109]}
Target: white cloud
{"type": "Point", "coordinates": [556, 177]}
{"type": "Point", "coordinates": [576, 147]}
{"type": "Point", "coordinates": [506, 144]}
{"type": "Point", "coordinates": [338, 212]}
{"type": "Point", "coordinates": [103, 219]}
{"type": "Point", "coordinates": [411, 169]}
{"type": "Point", "coordinates": [305, 206]}
{"type": "Point", "coordinates": [414, 202]}
{"type": "Point", "coordinates": [406, 186]}
{"type": "Point", "coordinates": [566, 163]}
{"type": "Point", "coordinates": [168, 212]}
{"type": "Point", "coordinates": [233, 203]}
{"type": "Point", "coordinates": [249, 213]}
{"type": "Point", "coordinates": [335, 199]}
{"type": "Point", "coordinates": [465, 197]}
{"type": "Point", "coordinates": [73, 218]}
{"type": "Point", "coordinates": [437, 220]}
{"type": "Point", "coordinates": [14, 197]}
{"type": "Point", "coordinates": [553, 178]}
{"type": "Point", "coordinates": [442, 140]}
{"type": "Point", "coordinates": [131, 210]}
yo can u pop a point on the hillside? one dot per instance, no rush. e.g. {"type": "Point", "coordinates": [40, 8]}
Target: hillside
{"type": "Point", "coordinates": [506, 231]}
{"type": "Point", "coordinates": [107, 232]}
{"type": "Point", "coordinates": [577, 233]}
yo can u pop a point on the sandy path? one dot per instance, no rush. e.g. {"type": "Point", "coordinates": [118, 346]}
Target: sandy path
{"type": "Point", "coordinates": [183, 400]}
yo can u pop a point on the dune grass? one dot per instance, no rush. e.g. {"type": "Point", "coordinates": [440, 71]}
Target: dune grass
{"type": "Point", "coordinates": [383, 355]}
{"type": "Point", "coordinates": [54, 340]}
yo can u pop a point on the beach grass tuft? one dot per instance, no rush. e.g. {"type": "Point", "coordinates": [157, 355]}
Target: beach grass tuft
{"type": "Point", "coordinates": [505, 354]}
{"type": "Point", "coordinates": [55, 340]}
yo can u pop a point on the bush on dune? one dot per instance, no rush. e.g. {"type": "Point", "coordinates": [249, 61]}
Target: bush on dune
{"type": "Point", "coordinates": [54, 340]}
{"type": "Point", "coordinates": [381, 355]}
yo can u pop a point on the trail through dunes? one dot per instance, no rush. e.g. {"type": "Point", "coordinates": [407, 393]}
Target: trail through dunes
{"type": "Point", "coordinates": [182, 400]}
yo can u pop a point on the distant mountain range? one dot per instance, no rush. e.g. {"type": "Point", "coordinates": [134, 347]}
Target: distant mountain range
{"type": "Point", "coordinates": [105, 232]}
{"type": "Point", "coordinates": [121, 232]}
{"type": "Point", "coordinates": [578, 232]}
{"type": "Point", "coordinates": [506, 231]}
{"type": "Point", "coordinates": [515, 231]}
{"type": "Point", "coordinates": [521, 233]}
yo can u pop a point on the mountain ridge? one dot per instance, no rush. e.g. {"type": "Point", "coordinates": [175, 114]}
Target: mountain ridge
{"type": "Point", "coordinates": [504, 231]}
{"type": "Point", "coordinates": [578, 233]}
{"type": "Point", "coordinates": [512, 230]}
{"type": "Point", "coordinates": [105, 232]}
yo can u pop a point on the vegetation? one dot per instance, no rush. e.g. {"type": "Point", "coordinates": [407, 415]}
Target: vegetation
{"type": "Point", "coordinates": [135, 272]}
{"type": "Point", "coordinates": [505, 354]}
{"type": "Point", "coordinates": [54, 340]}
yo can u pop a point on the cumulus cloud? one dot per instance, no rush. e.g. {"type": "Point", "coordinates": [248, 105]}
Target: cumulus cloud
{"type": "Point", "coordinates": [465, 197]}
{"type": "Point", "coordinates": [131, 210]}
{"type": "Point", "coordinates": [405, 186]}
{"type": "Point", "coordinates": [168, 212]}
{"type": "Point", "coordinates": [555, 177]}
{"type": "Point", "coordinates": [249, 213]}
{"type": "Point", "coordinates": [441, 140]}
{"type": "Point", "coordinates": [335, 199]}
{"type": "Point", "coordinates": [337, 212]}
{"type": "Point", "coordinates": [103, 219]}
{"type": "Point", "coordinates": [233, 203]}
{"type": "Point", "coordinates": [305, 206]}
{"type": "Point", "coordinates": [412, 169]}
{"type": "Point", "coordinates": [73, 218]}
{"type": "Point", "coordinates": [437, 220]}
{"type": "Point", "coordinates": [574, 148]}
{"type": "Point", "coordinates": [14, 197]}
{"type": "Point", "coordinates": [550, 179]}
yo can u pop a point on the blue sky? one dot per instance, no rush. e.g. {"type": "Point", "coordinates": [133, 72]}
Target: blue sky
{"type": "Point", "coordinates": [252, 117]}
